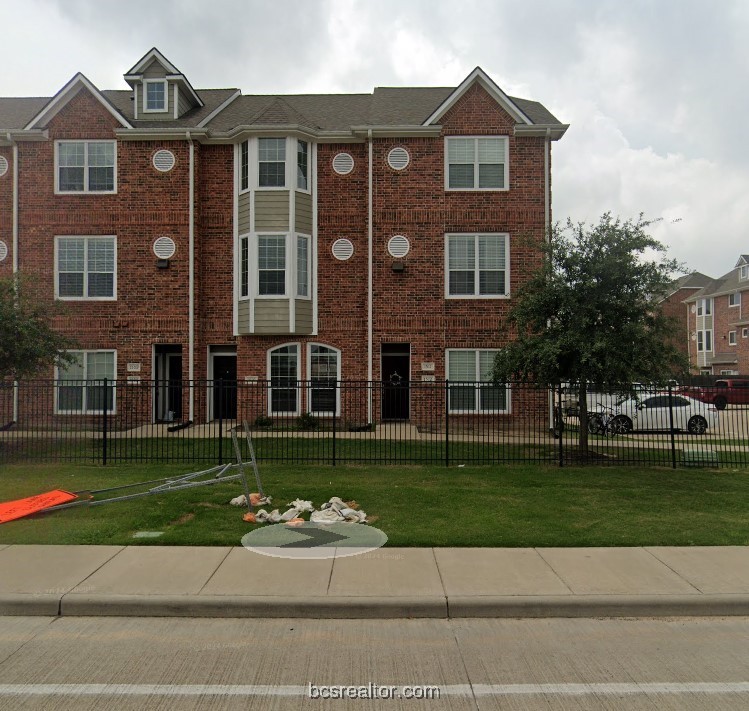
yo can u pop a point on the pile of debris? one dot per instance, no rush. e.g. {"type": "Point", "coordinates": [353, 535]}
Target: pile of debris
{"type": "Point", "coordinates": [334, 511]}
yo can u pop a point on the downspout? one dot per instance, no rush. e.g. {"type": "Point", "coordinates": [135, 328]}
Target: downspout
{"type": "Point", "coordinates": [15, 248]}
{"type": "Point", "coordinates": [191, 295]}
{"type": "Point", "coordinates": [547, 237]}
{"type": "Point", "coordinates": [370, 336]}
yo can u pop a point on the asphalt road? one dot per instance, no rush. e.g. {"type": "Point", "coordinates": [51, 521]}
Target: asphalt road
{"type": "Point", "coordinates": [165, 663]}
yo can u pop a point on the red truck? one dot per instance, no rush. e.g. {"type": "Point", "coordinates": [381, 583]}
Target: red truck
{"type": "Point", "coordinates": [728, 391]}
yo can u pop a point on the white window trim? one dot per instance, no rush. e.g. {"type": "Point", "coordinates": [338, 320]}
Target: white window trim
{"type": "Point", "coordinates": [745, 332]}
{"type": "Point", "coordinates": [733, 296]}
{"type": "Point", "coordinates": [85, 410]}
{"type": "Point", "coordinates": [287, 165]}
{"type": "Point", "coordinates": [255, 264]}
{"type": "Point", "coordinates": [477, 411]}
{"type": "Point", "coordinates": [58, 238]}
{"type": "Point", "coordinates": [85, 190]}
{"type": "Point", "coordinates": [308, 189]}
{"type": "Point", "coordinates": [475, 188]}
{"type": "Point", "coordinates": [704, 333]}
{"type": "Point", "coordinates": [732, 338]}
{"type": "Point", "coordinates": [744, 272]}
{"type": "Point", "coordinates": [242, 190]}
{"type": "Point", "coordinates": [476, 235]}
{"type": "Point", "coordinates": [309, 268]}
{"type": "Point", "coordinates": [240, 239]}
{"type": "Point", "coordinates": [298, 388]}
{"type": "Point", "coordinates": [309, 380]}
{"type": "Point", "coordinates": [163, 110]}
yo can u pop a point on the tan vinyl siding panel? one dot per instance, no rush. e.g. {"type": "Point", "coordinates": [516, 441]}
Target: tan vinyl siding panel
{"type": "Point", "coordinates": [154, 71]}
{"type": "Point", "coordinates": [303, 316]}
{"type": "Point", "coordinates": [243, 310]}
{"type": "Point", "coordinates": [304, 213]}
{"type": "Point", "coordinates": [184, 102]}
{"type": "Point", "coordinates": [272, 316]}
{"type": "Point", "coordinates": [709, 322]}
{"type": "Point", "coordinates": [245, 226]}
{"type": "Point", "coordinates": [272, 210]}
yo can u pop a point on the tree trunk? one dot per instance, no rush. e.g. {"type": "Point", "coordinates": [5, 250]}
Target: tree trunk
{"type": "Point", "coordinates": [583, 410]}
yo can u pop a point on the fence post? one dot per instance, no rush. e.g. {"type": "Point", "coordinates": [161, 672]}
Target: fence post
{"type": "Point", "coordinates": [104, 424]}
{"type": "Point", "coordinates": [336, 397]}
{"type": "Point", "coordinates": [447, 424]}
{"type": "Point", "coordinates": [671, 426]}
{"type": "Point", "coordinates": [560, 424]}
{"type": "Point", "coordinates": [220, 421]}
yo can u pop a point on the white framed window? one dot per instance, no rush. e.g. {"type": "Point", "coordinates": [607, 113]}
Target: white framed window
{"type": "Point", "coordinates": [477, 163]}
{"type": "Point", "coordinates": [704, 307]}
{"type": "Point", "coordinates": [85, 166]}
{"type": "Point", "coordinates": [244, 266]}
{"type": "Point", "coordinates": [302, 266]}
{"type": "Point", "coordinates": [324, 368]}
{"type": "Point", "coordinates": [80, 387]}
{"type": "Point", "coordinates": [744, 272]}
{"type": "Point", "coordinates": [470, 387]}
{"type": "Point", "coordinates": [732, 338]}
{"type": "Point", "coordinates": [244, 166]}
{"type": "Point", "coordinates": [86, 268]}
{"type": "Point", "coordinates": [271, 262]}
{"type": "Point", "coordinates": [283, 375]}
{"type": "Point", "coordinates": [271, 162]}
{"type": "Point", "coordinates": [745, 332]}
{"type": "Point", "coordinates": [734, 299]}
{"type": "Point", "coordinates": [155, 96]}
{"type": "Point", "coordinates": [729, 372]}
{"type": "Point", "coordinates": [302, 165]}
{"type": "Point", "coordinates": [704, 341]}
{"type": "Point", "coordinates": [477, 266]}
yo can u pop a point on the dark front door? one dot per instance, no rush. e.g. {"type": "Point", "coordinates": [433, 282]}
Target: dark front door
{"type": "Point", "coordinates": [396, 373]}
{"type": "Point", "coordinates": [225, 387]}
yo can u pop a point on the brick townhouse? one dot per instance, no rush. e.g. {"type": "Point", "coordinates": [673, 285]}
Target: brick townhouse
{"type": "Point", "coordinates": [205, 234]}
{"type": "Point", "coordinates": [718, 327]}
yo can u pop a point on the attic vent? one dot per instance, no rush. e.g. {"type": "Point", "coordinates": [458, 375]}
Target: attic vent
{"type": "Point", "coordinates": [343, 249]}
{"type": "Point", "coordinates": [3, 165]}
{"type": "Point", "coordinates": [163, 161]}
{"type": "Point", "coordinates": [398, 246]}
{"type": "Point", "coordinates": [343, 164]}
{"type": "Point", "coordinates": [164, 248]}
{"type": "Point", "coordinates": [3, 251]}
{"type": "Point", "coordinates": [398, 158]}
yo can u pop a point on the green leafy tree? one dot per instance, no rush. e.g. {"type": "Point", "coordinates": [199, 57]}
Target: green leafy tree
{"type": "Point", "coordinates": [589, 316]}
{"type": "Point", "coordinates": [27, 341]}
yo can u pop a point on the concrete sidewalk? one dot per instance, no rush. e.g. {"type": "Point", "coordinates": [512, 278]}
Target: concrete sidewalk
{"type": "Point", "coordinates": [386, 583]}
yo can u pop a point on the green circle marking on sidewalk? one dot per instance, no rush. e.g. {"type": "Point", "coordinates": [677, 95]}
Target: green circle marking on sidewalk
{"type": "Point", "coordinates": [314, 540]}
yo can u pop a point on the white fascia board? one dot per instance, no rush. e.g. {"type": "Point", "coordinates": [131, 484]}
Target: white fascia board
{"type": "Point", "coordinates": [146, 59]}
{"type": "Point", "coordinates": [182, 79]}
{"type": "Point", "coordinates": [164, 134]}
{"type": "Point", "coordinates": [62, 97]}
{"type": "Point", "coordinates": [15, 135]}
{"type": "Point", "coordinates": [397, 131]}
{"type": "Point", "coordinates": [556, 130]}
{"type": "Point", "coordinates": [741, 262]}
{"type": "Point", "coordinates": [219, 109]}
{"type": "Point", "coordinates": [479, 75]}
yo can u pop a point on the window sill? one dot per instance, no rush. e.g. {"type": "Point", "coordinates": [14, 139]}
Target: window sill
{"type": "Point", "coordinates": [469, 297]}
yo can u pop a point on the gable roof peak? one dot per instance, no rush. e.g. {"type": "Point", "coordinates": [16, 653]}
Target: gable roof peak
{"type": "Point", "coordinates": [147, 58]}
{"type": "Point", "coordinates": [480, 76]}
{"type": "Point", "coordinates": [743, 259]}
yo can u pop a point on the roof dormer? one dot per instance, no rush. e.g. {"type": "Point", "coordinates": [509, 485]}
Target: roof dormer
{"type": "Point", "coordinates": [160, 90]}
{"type": "Point", "coordinates": [743, 266]}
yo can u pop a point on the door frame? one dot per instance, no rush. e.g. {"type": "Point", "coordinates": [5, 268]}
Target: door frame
{"type": "Point", "coordinates": [216, 351]}
{"type": "Point", "coordinates": [406, 353]}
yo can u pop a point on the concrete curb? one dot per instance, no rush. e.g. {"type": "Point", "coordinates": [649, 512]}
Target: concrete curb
{"type": "Point", "coordinates": [729, 605]}
{"type": "Point", "coordinates": [432, 607]}
{"type": "Point", "coordinates": [252, 606]}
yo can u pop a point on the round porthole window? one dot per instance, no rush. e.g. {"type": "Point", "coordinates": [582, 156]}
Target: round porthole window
{"type": "Point", "coordinates": [3, 251]}
{"type": "Point", "coordinates": [398, 158]}
{"type": "Point", "coordinates": [163, 161]}
{"type": "Point", "coordinates": [164, 248]}
{"type": "Point", "coordinates": [343, 164]}
{"type": "Point", "coordinates": [343, 249]}
{"type": "Point", "coordinates": [398, 246]}
{"type": "Point", "coordinates": [3, 165]}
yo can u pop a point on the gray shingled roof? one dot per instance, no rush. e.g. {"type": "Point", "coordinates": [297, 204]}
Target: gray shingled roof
{"type": "Point", "coordinates": [15, 113]}
{"type": "Point", "coordinates": [722, 285]}
{"type": "Point", "coordinates": [695, 280]}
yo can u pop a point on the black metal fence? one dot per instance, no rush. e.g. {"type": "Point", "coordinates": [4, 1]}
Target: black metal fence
{"type": "Point", "coordinates": [331, 422]}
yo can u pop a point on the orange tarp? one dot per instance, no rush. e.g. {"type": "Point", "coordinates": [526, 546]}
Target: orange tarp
{"type": "Point", "coordinates": [11, 510]}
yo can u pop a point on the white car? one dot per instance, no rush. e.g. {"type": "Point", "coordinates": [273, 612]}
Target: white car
{"type": "Point", "coordinates": [652, 414]}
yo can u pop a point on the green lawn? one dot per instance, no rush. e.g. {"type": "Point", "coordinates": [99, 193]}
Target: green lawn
{"type": "Point", "coordinates": [430, 505]}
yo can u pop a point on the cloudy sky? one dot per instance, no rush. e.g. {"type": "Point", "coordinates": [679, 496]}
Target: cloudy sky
{"type": "Point", "coordinates": [654, 90]}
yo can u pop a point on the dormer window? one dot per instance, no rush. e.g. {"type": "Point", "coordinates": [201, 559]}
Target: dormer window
{"type": "Point", "coordinates": [155, 95]}
{"type": "Point", "coordinates": [744, 272]}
